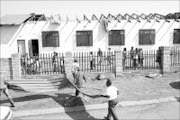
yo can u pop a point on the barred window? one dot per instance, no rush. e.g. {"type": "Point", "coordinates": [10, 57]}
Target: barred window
{"type": "Point", "coordinates": [116, 37]}
{"type": "Point", "coordinates": [50, 38]}
{"type": "Point", "coordinates": [176, 39]}
{"type": "Point", "coordinates": [84, 38]}
{"type": "Point", "coordinates": [146, 36]}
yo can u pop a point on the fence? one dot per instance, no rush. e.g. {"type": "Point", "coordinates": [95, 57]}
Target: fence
{"type": "Point", "coordinates": [175, 56]}
{"type": "Point", "coordinates": [92, 62]}
{"type": "Point", "coordinates": [144, 60]}
{"type": "Point", "coordinates": [45, 63]}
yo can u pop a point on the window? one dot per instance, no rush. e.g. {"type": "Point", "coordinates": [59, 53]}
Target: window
{"type": "Point", "coordinates": [84, 38]}
{"type": "Point", "coordinates": [176, 39]}
{"type": "Point", "coordinates": [50, 39]}
{"type": "Point", "coordinates": [116, 37]}
{"type": "Point", "coordinates": [146, 36]}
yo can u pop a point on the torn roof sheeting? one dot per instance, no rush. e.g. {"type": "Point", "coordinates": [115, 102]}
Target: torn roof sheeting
{"type": "Point", "coordinates": [7, 32]}
{"type": "Point", "coordinates": [14, 19]}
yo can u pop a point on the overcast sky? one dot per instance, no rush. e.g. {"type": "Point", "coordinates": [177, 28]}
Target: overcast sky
{"type": "Point", "coordinates": [78, 8]}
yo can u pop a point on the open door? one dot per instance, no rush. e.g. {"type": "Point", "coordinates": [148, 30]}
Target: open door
{"type": "Point", "coordinates": [33, 47]}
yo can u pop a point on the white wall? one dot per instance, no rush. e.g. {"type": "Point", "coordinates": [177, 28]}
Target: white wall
{"type": "Point", "coordinates": [4, 51]}
{"type": "Point", "coordinates": [67, 34]}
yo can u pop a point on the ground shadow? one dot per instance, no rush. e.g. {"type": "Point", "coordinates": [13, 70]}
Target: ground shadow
{"type": "Point", "coordinates": [73, 102]}
{"type": "Point", "coordinates": [175, 85]}
{"type": "Point", "coordinates": [62, 100]}
{"type": "Point", "coordinates": [26, 98]}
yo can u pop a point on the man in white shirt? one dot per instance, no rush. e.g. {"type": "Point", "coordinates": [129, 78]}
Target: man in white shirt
{"type": "Point", "coordinates": [112, 94]}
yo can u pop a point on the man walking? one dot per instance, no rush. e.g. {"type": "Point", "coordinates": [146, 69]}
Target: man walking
{"type": "Point", "coordinates": [79, 79]}
{"type": "Point", "coordinates": [4, 89]}
{"type": "Point", "coordinates": [74, 68]}
{"type": "Point", "coordinates": [112, 94]}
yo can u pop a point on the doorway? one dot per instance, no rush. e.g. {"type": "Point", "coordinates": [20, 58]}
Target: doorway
{"type": "Point", "coordinates": [21, 47]}
{"type": "Point", "coordinates": [33, 47]}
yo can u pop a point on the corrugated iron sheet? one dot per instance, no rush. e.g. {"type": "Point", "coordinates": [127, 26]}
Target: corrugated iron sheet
{"type": "Point", "coordinates": [7, 32]}
{"type": "Point", "coordinates": [14, 19]}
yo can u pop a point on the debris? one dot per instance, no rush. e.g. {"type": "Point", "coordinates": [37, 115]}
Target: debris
{"type": "Point", "coordinates": [153, 75]}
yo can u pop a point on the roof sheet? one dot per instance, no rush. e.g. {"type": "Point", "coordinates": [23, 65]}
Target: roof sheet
{"type": "Point", "coordinates": [7, 32]}
{"type": "Point", "coordinates": [13, 19]}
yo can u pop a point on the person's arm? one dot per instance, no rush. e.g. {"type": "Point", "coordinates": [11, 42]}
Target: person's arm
{"type": "Point", "coordinates": [84, 77]}
{"type": "Point", "coordinates": [106, 96]}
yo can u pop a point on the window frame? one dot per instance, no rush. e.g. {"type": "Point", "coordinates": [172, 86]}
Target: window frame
{"type": "Point", "coordinates": [112, 41]}
{"type": "Point", "coordinates": [147, 34]}
{"type": "Point", "coordinates": [88, 34]}
{"type": "Point", "coordinates": [175, 38]}
{"type": "Point", "coordinates": [45, 41]}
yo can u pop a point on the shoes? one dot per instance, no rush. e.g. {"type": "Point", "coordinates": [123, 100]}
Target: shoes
{"type": "Point", "coordinates": [12, 105]}
{"type": "Point", "coordinates": [106, 118]}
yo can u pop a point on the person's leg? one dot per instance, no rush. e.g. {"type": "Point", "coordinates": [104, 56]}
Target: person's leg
{"type": "Point", "coordinates": [91, 65]}
{"type": "Point", "coordinates": [9, 97]}
{"type": "Point", "coordinates": [113, 110]}
{"type": "Point", "coordinates": [109, 115]}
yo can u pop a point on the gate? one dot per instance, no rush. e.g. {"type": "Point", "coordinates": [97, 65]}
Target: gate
{"type": "Point", "coordinates": [45, 63]}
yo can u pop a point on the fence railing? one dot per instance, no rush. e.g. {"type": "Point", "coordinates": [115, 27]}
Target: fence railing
{"type": "Point", "coordinates": [147, 60]}
{"type": "Point", "coordinates": [45, 63]}
{"type": "Point", "coordinates": [175, 56]}
{"type": "Point", "coordinates": [92, 62]}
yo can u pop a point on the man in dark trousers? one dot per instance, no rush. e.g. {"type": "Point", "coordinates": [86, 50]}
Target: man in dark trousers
{"type": "Point", "coordinates": [79, 79]}
{"type": "Point", "coordinates": [4, 89]}
{"type": "Point", "coordinates": [112, 94]}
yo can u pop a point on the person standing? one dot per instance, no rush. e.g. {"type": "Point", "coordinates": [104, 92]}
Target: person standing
{"type": "Point", "coordinates": [74, 68]}
{"type": "Point", "coordinates": [140, 57]}
{"type": "Point", "coordinates": [135, 58]}
{"type": "Point", "coordinates": [100, 53]}
{"type": "Point", "coordinates": [131, 57]}
{"type": "Point", "coordinates": [124, 57]}
{"type": "Point", "coordinates": [4, 89]}
{"type": "Point", "coordinates": [92, 61]}
{"type": "Point", "coordinates": [112, 94]}
{"type": "Point", "coordinates": [79, 79]}
{"type": "Point", "coordinates": [55, 62]}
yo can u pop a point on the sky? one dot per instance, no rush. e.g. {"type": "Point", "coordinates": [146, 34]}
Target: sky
{"type": "Point", "coordinates": [75, 9]}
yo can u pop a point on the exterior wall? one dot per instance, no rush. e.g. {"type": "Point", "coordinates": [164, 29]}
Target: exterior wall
{"type": "Point", "coordinates": [67, 34]}
{"type": "Point", "coordinates": [6, 68]}
{"type": "Point", "coordinates": [10, 67]}
{"type": "Point", "coordinates": [4, 51]}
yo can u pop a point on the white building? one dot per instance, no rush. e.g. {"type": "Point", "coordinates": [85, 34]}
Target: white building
{"type": "Point", "coordinates": [37, 34]}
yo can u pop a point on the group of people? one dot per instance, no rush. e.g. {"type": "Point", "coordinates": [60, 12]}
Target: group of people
{"type": "Point", "coordinates": [100, 58]}
{"type": "Point", "coordinates": [111, 92]}
{"type": "Point", "coordinates": [136, 57]}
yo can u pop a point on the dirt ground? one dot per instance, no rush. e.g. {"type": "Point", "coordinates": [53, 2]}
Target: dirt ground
{"type": "Point", "coordinates": [132, 88]}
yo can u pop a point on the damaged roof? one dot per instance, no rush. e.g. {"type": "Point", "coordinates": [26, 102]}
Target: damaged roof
{"type": "Point", "coordinates": [7, 32]}
{"type": "Point", "coordinates": [14, 19]}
